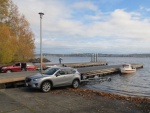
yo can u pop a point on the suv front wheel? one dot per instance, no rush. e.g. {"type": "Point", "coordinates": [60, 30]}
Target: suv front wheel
{"type": "Point", "coordinates": [75, 84]}
{"type": "Point", "coordinates": [8, 71]}
{"type": "Point", "coordinates": [46, 86]}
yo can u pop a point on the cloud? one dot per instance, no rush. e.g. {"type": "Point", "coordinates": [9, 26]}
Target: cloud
{"type": "Point", "coordinates": [121, 24]}
{"type": "Point", "coordinates": [85, 6]}
{"type": "Point", "coordinates": [82, 26]}
{"type": "Point", "coordinates": [144, 8]}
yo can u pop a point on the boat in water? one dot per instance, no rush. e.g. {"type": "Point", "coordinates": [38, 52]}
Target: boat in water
{"type": "Point", "coordinates": [127, 68]}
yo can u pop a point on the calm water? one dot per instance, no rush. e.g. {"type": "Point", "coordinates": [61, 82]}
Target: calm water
{"type": "Point", "coordinates": [137, 84]}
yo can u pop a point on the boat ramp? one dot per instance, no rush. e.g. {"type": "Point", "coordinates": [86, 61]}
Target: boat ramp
{"type": "Point", "coordinates": [89, 70]}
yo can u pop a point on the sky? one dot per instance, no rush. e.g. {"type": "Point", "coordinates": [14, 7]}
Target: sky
{"type": "Point", "coordinates": [89, 26]}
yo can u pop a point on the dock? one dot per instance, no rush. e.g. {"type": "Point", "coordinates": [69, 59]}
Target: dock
{"type": "Point", "coordinates": [105, 70]}
{"type": "Point", "coordinates": [79, 65]}
{"type": "Point", "coordinates": [16, 78]}
{"type": "Point", "coordinates": [76, 65]}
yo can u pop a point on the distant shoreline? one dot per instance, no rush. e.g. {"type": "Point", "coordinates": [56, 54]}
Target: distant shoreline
{"type": "Point", "coordinates": [92, 55]}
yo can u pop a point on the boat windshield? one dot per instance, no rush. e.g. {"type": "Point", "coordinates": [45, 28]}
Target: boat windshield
{"type": "Point", "coordinates": [126, 66]}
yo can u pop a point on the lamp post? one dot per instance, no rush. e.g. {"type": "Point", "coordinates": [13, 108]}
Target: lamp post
{"type": "Point", "coordinates": [41, 14]}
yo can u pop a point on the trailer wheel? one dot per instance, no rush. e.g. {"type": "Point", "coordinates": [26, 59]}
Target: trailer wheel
{"type": "Point", "coordinates": [109, 79]}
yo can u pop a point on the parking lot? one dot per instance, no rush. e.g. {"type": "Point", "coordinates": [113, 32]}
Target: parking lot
{"type": "Point", "coordinates": [62, 100]}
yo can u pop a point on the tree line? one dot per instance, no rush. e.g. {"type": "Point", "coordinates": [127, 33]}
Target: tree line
{"type": "Point", "coordinates": [16, 37]}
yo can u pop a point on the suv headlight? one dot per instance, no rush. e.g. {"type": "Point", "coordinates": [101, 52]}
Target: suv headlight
{"type": "Point", "coordinates": [36, 79]}
{"type": "Point", "coordinates": [4, 67]}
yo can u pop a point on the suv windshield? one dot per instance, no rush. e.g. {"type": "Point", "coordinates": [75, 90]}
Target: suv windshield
{"type": "Point", "coordinates": [51, 71]}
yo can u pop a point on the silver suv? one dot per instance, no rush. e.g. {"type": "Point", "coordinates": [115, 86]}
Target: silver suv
{"type": "Point", "coordinates": [54, 77]}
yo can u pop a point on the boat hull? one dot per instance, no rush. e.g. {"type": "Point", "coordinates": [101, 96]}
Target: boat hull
{"type": "Point", "coordinates": [127, 71]}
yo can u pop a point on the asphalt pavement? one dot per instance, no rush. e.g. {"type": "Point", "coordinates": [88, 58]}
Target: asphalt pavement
{"type": "Point", "coordinates": [62, 100]}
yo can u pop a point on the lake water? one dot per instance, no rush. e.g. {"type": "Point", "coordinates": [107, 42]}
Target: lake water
{"type": "Point", "coordinates": [137, 84]}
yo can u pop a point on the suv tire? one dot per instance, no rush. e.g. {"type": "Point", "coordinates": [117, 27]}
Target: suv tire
{"type": "Point", "coordinates": [46, 86]}
{"type": "Point", "coordinates": [75, 84]}
{"type": "Point", "coordinates": [8, 71]}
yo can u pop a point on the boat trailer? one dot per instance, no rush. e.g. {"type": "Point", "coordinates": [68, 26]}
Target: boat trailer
{"type": "Point", "coordinates": [94, 80]}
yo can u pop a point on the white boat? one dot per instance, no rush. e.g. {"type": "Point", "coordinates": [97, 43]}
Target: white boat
{"type": "Point", "coordinates": [127, 68]}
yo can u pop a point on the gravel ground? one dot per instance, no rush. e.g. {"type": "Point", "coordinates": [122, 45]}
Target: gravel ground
{"type": "Point", "coordinates": [68, 100]}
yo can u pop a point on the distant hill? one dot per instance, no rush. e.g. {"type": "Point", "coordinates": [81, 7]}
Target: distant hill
{"type": "Point", "coordinates": [91, 54]}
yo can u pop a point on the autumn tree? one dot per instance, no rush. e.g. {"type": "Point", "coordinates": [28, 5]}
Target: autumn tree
{"type": "Point", "coordinates": [7, 39]}
{"type": "Point", "coordinates": [18, 35]}
{"type": "Point", "coordinates": [7, 44]}
{"type": "Point", "coordinates": [25, 41]}
{"type": "Point", "coordinates": [4, 4]}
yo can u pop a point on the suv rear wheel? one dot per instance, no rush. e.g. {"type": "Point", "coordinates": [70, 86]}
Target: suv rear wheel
{"type": "Point", "coordinates": [46, 86]}
{"type": "Point", "coordinates": [75, 84]}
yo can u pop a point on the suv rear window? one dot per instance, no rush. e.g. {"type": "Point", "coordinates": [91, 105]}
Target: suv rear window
{"type": "Point", "coordinates": [30, 64]}
{"type": "Point", "coordinates": [71, 71]}
{"type": "Point", "coordinates": [18, 64]}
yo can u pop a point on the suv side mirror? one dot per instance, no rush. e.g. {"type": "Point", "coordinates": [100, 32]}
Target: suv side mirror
{"type": "Point", "coordinates": [57, 74]}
